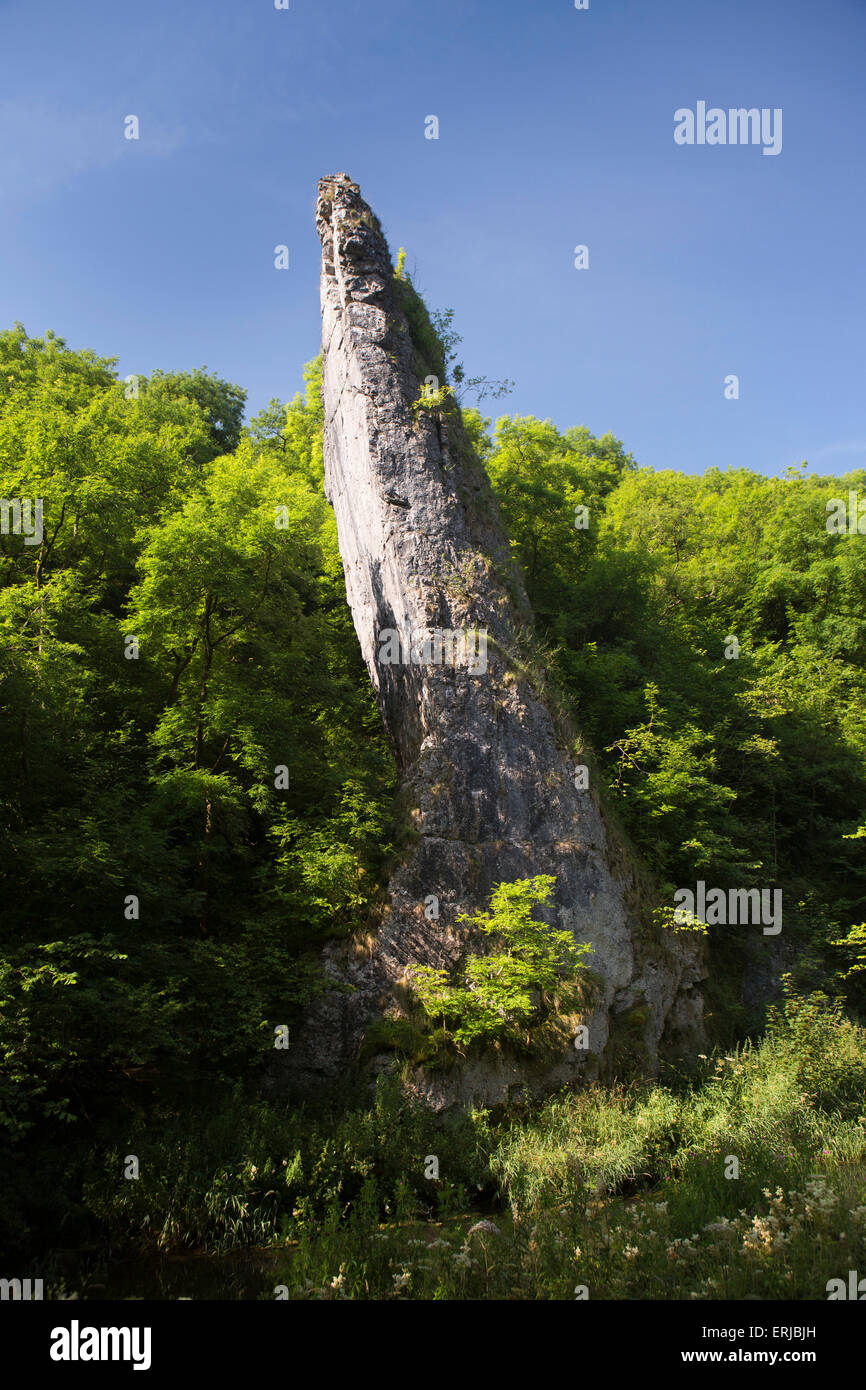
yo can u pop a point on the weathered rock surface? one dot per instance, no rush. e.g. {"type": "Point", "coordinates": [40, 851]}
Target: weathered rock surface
{"type": "Point", "coordinates": [487, 780]}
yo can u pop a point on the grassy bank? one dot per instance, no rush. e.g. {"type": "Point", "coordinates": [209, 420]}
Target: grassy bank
{"type": "Point", "coordinates": [749, 1182]}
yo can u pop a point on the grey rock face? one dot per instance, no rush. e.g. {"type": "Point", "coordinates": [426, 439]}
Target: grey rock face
{"type": "Point", "coordinates": [486, 781]}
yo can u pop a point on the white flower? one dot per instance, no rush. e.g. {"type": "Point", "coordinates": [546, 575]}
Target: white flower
{"type": "Point", "coordinates": [720, 1227]}
{"type": "Point", "coordinates": [486, 1228]}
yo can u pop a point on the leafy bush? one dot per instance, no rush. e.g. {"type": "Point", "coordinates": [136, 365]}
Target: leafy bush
{"type": "Point", "coordinates": [499, 994]}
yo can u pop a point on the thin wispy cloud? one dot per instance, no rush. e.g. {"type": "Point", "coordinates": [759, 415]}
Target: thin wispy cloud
{"type": "Point", "coordinates": [855, 446]}
{"type": "Point", "coordinates": [46, 147]}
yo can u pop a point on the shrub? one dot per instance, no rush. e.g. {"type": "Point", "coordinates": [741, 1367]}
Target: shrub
{"type": "Point", "coordinates": [498, 994]}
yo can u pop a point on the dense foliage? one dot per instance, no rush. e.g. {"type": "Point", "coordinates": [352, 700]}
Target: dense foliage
{"type": "Point", "coordinates": [196, 793]}
{"type": "Point", "coordinates": [195, 783]}
{"type": "Point", "coordinates": [740, 764]}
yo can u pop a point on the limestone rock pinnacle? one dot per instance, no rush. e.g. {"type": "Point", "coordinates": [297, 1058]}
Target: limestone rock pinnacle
{"type": "Point", "coordinates": [486, 776]}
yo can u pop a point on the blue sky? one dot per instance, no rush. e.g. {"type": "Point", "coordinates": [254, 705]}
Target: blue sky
{"type": "Point", "coordinates": [556, 129]}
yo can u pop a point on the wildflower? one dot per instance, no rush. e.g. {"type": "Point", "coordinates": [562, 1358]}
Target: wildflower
{"type": "Point", "coordinates": [721, 1227]}
{"type": "Point", "coordinates": [631, 1252]}
{"type": "Point", "coordinates": [486, 1228]}
{"type": "Point", "coordinates": [402, 1279]}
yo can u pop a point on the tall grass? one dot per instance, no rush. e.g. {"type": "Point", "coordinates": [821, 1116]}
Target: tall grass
{"type": "Point", "coordinates": [750, 1181]}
